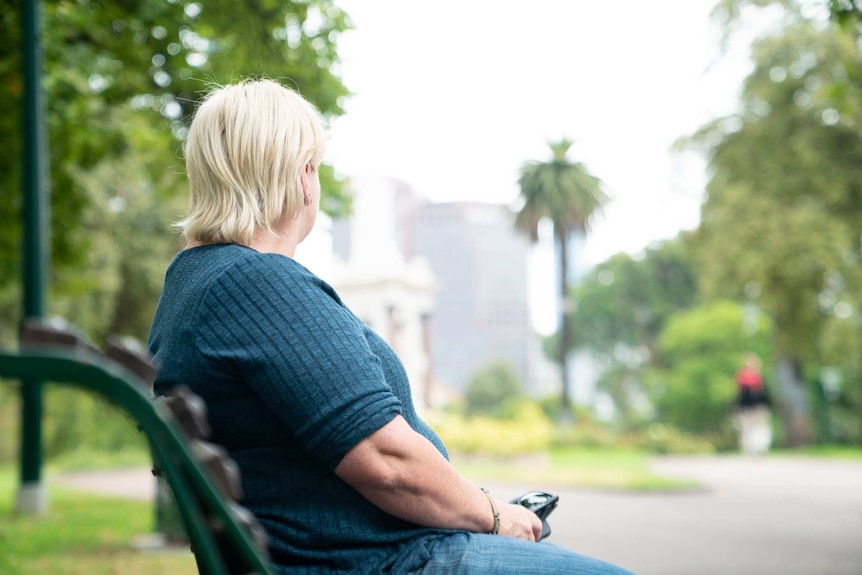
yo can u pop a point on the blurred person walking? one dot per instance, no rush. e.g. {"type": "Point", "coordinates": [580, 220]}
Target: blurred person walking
{"type": "Point", "coordinates": [753, 413]}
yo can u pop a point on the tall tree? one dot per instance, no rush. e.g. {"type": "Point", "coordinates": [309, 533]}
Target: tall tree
{"type": "Point", "coordinates": [564, 192]}
{"type": "Point", "coordinates": [781, 223]}
{"type": "Point", "coordinates": [156, 57]}
{"type": "Point", "coordinates": [625, 301]}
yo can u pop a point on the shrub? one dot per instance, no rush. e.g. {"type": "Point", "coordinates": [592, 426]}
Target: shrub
{"type": "Point", "coordinates": [76, 420]}
{"type": "Point", "coordinates": [669, 439]}
{"type": "Point", "coordinates": [587, 433]}
{"type": "Point", "coordinates": [491, 388]}
{"type": "Point", "coordinates": [528, 431]}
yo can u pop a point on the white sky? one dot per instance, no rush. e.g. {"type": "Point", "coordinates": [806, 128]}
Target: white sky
{"type": "Point", "coordinates": [452, 96]}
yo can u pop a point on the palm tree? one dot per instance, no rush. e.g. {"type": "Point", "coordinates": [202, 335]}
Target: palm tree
{"type": "Point", "coordinates": [567, 194]}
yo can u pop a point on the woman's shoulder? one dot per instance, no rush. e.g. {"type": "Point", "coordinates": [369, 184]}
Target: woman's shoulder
{"type": "Point", "coordinates": [225, 271]}
{"type": "Point", "coordinates": [240, 265]}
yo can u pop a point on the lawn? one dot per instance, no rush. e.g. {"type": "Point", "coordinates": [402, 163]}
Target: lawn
{"type": "Point", "coordinates": [82, 535]}
{"type": "Point", "coordinates": [580, 468]}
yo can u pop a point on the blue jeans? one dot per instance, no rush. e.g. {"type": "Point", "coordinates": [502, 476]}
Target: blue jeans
{"type": "Point", "coordinates": [478, 554]}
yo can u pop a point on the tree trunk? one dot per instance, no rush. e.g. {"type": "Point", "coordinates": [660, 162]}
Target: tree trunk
{"type": "Point", "coordinates": [565, 318]}
{"type": "Point", "coordinates": [792, 401]}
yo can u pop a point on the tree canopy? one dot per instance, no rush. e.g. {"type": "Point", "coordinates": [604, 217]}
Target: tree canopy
{"type": "Point", "coordinates": [626, 301]}
{"type": "Point", "coordinates": [785, 180]}
{"type": "Point", "coordinates": [120, 76]}
{"type": "Point", "coordinates": [779, 240]}
{"type": "Point", "coordinates": [780, 226]}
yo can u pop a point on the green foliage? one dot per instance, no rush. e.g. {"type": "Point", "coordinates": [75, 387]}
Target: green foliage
{"type": "Point", "coordinates": [620, 308]}
{"type": "Point", "coordinates": [652, 437]}
{"type": "Point", "coordinates": [840, 378]}
{"type": "Point", "coordinates": [122, 75]}
{"type": "Point", "coordinates": [491, 388]}
{"type": "Point", "coordinates": [843, 89]}
{"type": "Point", "coordinates": [560, 190]}
{"type": "Point", "coordinates": [786, 181]}
{"type": "Point", "coordinates": [552, 407]}
{"type": "Point", "coordinates": [626, 301]}
{"type": "Point", "coordinates": [86, 458]}
{"type": "Point", "coordinates": [700, 351]}
{"type": "Point", "coordinates": [587, 432]}
{"type": "Point", "coordinates": [781, 223]}
{"type": "Point", "coordinates": [117, 286]}
{"type": "Point", "coordinates": [74, 420]}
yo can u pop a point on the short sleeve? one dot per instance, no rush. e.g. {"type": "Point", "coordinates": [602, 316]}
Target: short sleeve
{"type": "Point", "coordinates": [296, 346]}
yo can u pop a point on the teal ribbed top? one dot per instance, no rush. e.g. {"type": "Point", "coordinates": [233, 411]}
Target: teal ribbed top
{"type": "Point", "coordinates": [292, 380]}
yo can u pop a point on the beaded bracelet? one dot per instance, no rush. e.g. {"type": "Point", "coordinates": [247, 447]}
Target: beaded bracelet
{"type": "Point", "coordinates": [496, 529]}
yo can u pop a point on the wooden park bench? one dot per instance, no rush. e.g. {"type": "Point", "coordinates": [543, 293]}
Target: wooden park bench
{"type": "Point", "coordinates": [225, 537]}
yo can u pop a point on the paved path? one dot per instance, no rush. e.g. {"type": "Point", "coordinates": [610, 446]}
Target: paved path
{"type": "Point", "coordinates": [130, 483]}
{"type": "Point", "coordinates": [772, 516]}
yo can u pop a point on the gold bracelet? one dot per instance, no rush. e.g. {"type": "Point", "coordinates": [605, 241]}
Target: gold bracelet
{"type": "Point", "coordinates": [496, 529]}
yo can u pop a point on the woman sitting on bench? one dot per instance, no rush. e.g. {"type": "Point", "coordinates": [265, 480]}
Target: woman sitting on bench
{"type": "Point", "coordinates": [312, 404]}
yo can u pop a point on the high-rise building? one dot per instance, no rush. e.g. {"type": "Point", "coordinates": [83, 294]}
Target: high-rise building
{"type": "Point", "coordinates": [479, 262]}
{"type": "Point", "coordinates": [482, 308]}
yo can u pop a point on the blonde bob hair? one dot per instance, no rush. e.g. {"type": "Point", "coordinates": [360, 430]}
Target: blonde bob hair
{"type": "Point", "coordinates": [246, 149]}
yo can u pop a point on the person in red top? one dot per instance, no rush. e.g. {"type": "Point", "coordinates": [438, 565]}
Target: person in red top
{"type": "Point", "coordinates": [753, 412]}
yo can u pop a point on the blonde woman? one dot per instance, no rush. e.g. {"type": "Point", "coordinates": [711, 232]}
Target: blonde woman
{"type": "Point", "coordinates": [312, 404]}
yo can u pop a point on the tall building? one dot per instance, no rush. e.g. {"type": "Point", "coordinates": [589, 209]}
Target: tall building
{"type": "Point", "coordinates": [479, 264]}
{"type": "Point", "coordinates": [482, 310]}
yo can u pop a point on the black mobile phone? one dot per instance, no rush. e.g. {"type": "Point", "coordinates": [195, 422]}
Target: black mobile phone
{"type": "Point", "coordinates": [540, 503]}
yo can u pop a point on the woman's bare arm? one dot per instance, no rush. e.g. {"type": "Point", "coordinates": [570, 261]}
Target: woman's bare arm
{"type": "Point", "coordinates": [402, 473]}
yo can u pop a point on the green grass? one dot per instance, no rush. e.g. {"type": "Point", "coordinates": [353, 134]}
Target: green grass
{"type": "Point", "coordinates": [585, 468]}
{"type": "Point", "coordinates": [88, 459]}
{"type": "Point", "coordinates": [824, 451]}
{"type": "Point", "coordinates": [81, 534]}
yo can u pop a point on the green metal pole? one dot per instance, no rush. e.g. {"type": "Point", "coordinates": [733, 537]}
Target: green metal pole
{"type": "Point", "coordinates": [31, 494]}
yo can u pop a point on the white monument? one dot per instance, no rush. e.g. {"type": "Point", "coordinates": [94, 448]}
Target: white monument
{"type": "Point", "coordinates": [393, 296]}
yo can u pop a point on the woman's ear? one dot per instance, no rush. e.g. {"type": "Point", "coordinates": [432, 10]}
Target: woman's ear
{"type": "Point", "coordinates": [303, 177]}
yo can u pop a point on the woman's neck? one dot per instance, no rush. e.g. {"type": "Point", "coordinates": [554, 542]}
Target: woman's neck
{"type": "Point", "coordinates": [281, 240]}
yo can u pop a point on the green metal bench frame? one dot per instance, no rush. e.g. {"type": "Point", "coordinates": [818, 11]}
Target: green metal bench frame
{"type": "Point", "coordinates": [222, 545]}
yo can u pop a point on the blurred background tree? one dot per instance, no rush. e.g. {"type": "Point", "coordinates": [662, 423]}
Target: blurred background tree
{"type": "Point", "coordinates": [775, 263]}
{"type": "Point", "coordinates": [121, 81]}
{"type": "Point", "coordinates": [780, 227]}
{"type": "Point", "coordinates": [620, 309]}
{"type": "Point", "coordinates": [692, 382]}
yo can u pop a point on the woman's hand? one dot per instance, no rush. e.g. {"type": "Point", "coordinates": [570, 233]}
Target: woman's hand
{"type": "Point", "coordinates": [519, 522]}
